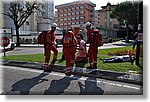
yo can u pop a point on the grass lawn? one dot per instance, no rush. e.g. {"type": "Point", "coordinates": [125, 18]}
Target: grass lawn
{"type": "Point", "coordinates": [119, 67]}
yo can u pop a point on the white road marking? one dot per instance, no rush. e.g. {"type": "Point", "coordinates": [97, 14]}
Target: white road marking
{"type": "Point", "coordinates": [74, 77]}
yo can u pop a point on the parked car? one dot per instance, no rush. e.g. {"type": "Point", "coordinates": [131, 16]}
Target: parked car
{"type": "Point", "coordinates": [107, 40]}
{"type": "Point", "coordinates": [11, 46]}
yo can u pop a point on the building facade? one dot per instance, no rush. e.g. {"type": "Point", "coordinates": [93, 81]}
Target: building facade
{"type": "Point", "coordinates": [104, 22]}
{"type": "Point", "coordinates": [40, 20]}
{"type": "Point", "coordinates": [45, 17]}
{"type": "Point", "coordinates": [75, 13]}
{"type": "Point", "coordinates": [103, 19]}
{"type": "Point", "coordinates": [1, 16]}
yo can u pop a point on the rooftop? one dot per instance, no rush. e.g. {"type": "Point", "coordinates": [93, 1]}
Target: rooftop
{"type": "Point", "coordinates": [76, 2]}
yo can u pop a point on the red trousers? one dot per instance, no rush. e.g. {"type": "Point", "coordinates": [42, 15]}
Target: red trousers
{"type": "Point", "coordinates": [69, 54]}
{"type": "Point", "coordinates": [49, 48]}
{"type": "Point", "coordinates": [92, 54]}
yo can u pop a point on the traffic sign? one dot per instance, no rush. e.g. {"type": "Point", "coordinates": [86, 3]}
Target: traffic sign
{"type": "Point", "coordinates": [4, 41]}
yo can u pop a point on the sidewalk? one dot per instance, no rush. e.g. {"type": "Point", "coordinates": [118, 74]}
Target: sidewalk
{"type": "Point", "coordinates": [109, 75]}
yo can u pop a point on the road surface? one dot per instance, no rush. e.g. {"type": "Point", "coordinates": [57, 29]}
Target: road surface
{"type": "Point", "coordinates": [17, 80]}
{"type": "Point", "coordinates": [35, 49]}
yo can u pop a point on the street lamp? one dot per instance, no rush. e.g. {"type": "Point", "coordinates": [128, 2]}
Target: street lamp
{"type": "Point", "coordinates": [108, 8]}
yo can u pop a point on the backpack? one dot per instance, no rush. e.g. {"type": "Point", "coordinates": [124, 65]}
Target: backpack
{"type": "Point", "coordinates": [98, 39]}
{"type": "Point", "coordinates": [42, 37]}
{"type": "Point", "coordinates": [68, 40]}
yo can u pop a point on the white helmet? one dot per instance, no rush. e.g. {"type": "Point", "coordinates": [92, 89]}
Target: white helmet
{"type": "Point", "coordinates": [88, 24]}
{"type": "Point", "coordinates": [54, 25]}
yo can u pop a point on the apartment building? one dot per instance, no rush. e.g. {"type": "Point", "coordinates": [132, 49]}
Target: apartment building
{"type": "Point", "coordinates": [75, 14]}
{"type": "Point", "coordinates": [103, 19]}
{"type": "Point", "coordinates": [105, 23]}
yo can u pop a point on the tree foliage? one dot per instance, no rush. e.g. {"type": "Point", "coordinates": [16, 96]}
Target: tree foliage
{"type": "Point", "coordinates": [126, 12]}
{"type": "Point", "coordinates": [19, 12]}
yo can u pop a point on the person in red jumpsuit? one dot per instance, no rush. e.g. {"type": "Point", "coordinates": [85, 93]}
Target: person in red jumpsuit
{"type": "Point", "coordinates": [50, 46]}
{"type": "Point", "coordinates": [74, 47]}
{"type": "Point", "coordinates": [69, 45]}
{"type": "Point", "coordinates": [93, 49]}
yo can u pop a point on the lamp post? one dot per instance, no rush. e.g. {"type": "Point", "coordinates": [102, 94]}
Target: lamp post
{"type": "Point", "coordinates": [108, 8]}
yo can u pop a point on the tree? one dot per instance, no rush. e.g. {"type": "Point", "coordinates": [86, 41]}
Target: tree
{"type": "Point", "coordinates": [126, 13]}
{"type": "Point", "coordinates": [19, 12]}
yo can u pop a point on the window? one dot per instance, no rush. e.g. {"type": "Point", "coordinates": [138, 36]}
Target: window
{"type": "Point", "coordinates": [82, 17]}
{"type": "Point", "coordinates": [65, 19]}
{"type": "Point", "coordinates": [65, 23]}
{"type": "Point", "coordinates": [81, 7]}
{"type": "Point", "coordinates": [69, 14]}
{"type": "Point", "coordinates": [65, 10]}
{"type": "Point", "coordinates": [65, 14]}
{"type": "Point", "coordinates": [73, 13]}
{"type": "Point", "coordinates": [77, 12]}
{"type": "Point", "coordinates": [69, 9]}
{"type": "Point", "coordinates": [77, 8]}
{"type": "Point", "coordinates": [27, 23]}
{"type": "Point", "coordinates": [77, 22]}
{"type": "Point", "coordinates": [81, 22]}
{"type": "Point", "coordinates": [73, 18]}
{"type": "Point", "coordinates": [82, 12]}
{"type": "Point", "coordinates": [69, 18]}
{"type": "Point", "coordinates": [56, 15]}
{"type": "Point", "coordinates": [77, 17]}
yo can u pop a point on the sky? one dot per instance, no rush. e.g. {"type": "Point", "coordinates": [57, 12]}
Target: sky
{"type": "Point", "coordinates": [98, 3]}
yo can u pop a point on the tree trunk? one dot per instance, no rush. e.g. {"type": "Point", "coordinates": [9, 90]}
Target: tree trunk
{"type": "Point", "coordinates": [17, 36]}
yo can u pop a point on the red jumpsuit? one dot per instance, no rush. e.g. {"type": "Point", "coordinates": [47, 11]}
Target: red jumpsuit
{"type": "Point", "coordinates": [50, 38]}
{"type": "Point", "coordinates": [93, 49]}
{"type": "Point", "coordinates": [88, 33]}
{"type": "Point", "coordinates": [92, 53]}
{"type": "Point", "coordinates": [69, 51]}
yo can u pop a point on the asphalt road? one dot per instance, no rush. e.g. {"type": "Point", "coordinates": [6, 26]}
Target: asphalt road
{"type": "Point", "coordinates": [17, 80]}
{"type": "Point", "coordinates": [35, 49]}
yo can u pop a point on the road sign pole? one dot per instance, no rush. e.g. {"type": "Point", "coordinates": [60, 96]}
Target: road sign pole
{"type": "Point", "coordinates": [4, 52]}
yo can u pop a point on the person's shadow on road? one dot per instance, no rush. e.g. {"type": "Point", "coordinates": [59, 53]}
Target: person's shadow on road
{"type": "Point", "coordinates": [58, 87]}
{"type": "Point", "coordinates": [90, 87]}
{"type": "Point", "coordinates": [81, 63]}
{"type": "Point", "coordinates": [24, 85]}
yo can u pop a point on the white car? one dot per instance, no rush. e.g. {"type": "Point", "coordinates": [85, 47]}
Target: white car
{"type": "Point", "coordinates": [11, 46]}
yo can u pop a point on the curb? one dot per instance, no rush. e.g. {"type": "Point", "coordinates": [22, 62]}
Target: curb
{"type": "Point", "coordinates": [109, 75]}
